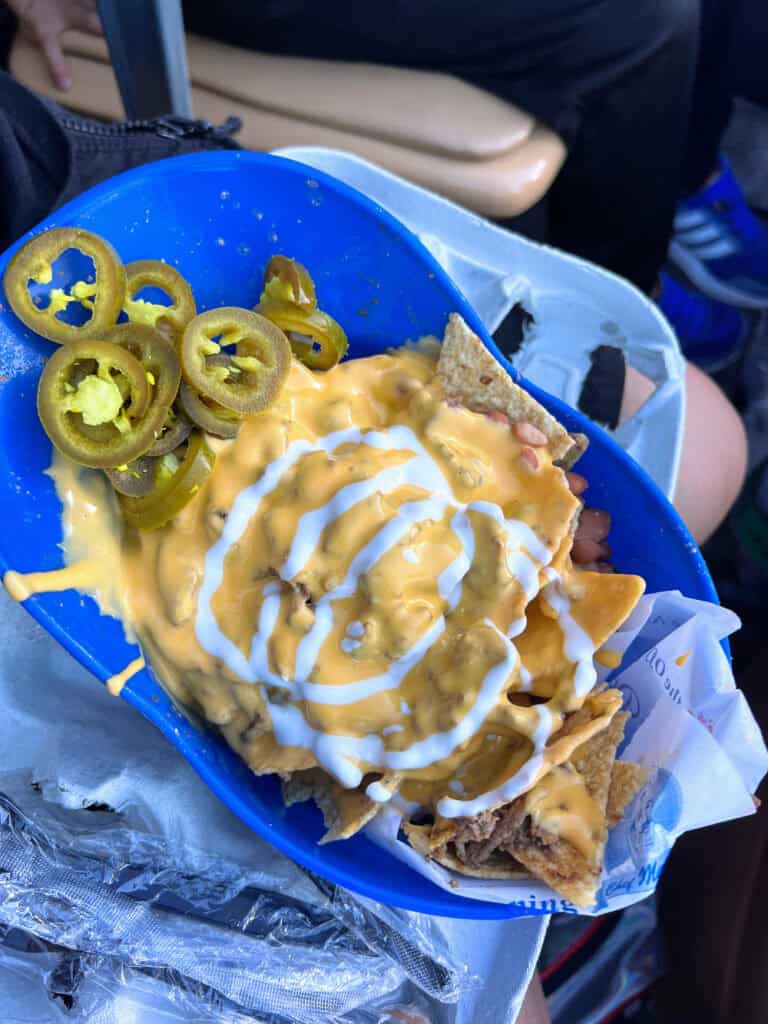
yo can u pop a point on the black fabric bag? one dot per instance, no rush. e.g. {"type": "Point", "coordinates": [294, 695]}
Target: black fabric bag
{"type": "Point", "coordinates": [49, 155]}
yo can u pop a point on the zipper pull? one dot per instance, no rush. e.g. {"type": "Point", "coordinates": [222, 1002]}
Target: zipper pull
{"type": "Point", "coordinates": [173, 127]}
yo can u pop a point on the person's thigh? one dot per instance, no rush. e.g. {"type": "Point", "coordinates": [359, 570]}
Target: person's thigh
{"type": "Point", "coordinates": [714, 456]}
{"type": "Point", "coordinates": [443, 32]}
{"type": "Point", "coordinates": [549, 56]}
{"type": "Point", "coordinates": [613, 79]}
{"type": "Point", "coordinates": [534, 1009]}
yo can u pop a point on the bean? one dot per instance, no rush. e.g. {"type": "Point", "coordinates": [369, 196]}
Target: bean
{"type": "Point", "coordinates": [577, 483]}
{"type": "Point", "coordinates": [528, 434]}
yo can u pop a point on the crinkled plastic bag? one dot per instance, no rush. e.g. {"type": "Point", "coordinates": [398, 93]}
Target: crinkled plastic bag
{"type": "Point", "coordinates": [38, 985]}
{"type": "Point", "coordinates": [689, 726]}
{"type": "Point", "coordinates": [128, 915]}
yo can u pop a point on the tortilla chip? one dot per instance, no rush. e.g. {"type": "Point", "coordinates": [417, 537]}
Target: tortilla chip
{"type": "Point", "coordinates": [599, 602]}
{"type": "Point", "coordinates": [564, 868]}
{"type": "Point", "coordinates": [498, 867]}
{"type": "Point", "coordinates": [579, 446]}
{"type": "Point", "coordinates": [578, 728]}
{"type": "Point", "coordinates": [265, 756]}
{"type": "Point", "coordinates": [502, 868]}
{"type": "Point", "coordinates": [626, 780]}
{"type": "Point", "coordinates": [471, 375]}
{"type": "Point", "coordinates": [525, 845]}
{"type": "Point", "coordinates": [517, 843]}
{"type": "Point", "coordinates": [595, 759]}
{"type": "Point", "coordinates": [420, 837]}
{"type": "Point", "coordinates": [345, 811]}
{"type": "Point", "coordinates": [561, 560]}
{"type": "Point", "coordinates": [525, 853]}
{"type": "Point", "coordinates": [592, 717]}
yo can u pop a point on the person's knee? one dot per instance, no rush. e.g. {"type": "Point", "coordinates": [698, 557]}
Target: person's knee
{"type": "Point", "coordinates": [713, 462]}
{"type": "Point", "coordinates": [714, 454]}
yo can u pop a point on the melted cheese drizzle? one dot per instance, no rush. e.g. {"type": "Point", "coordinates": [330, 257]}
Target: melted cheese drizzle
{"type": "Point", "coordinates": [580, 649]}
{"type": "Point", "coordinates": [116, 682]}
{"type": "Point", "coordinates": [339, 754]}
{"type": "Point", "coordinates": [90, 542]}
{"type": "Point", "coordinates": [347, 588]}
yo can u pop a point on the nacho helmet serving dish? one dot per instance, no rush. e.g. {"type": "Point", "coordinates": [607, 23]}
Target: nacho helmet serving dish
{"type": "Point", "coordinates": [218, 217]}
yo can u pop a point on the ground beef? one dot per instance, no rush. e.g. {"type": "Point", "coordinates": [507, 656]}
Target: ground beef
{"type": "Point", "coordinates": [478, 837]}
{"type": "Point", "coordinates": [478, 827]}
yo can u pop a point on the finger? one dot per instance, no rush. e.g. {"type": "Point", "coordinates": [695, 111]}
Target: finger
{"type": "Point", "coordinates": [529, 457]}
{"type": "Point", "coordinates": [498, 416]}
{"type": "Point", "coordinates": [57, 64]}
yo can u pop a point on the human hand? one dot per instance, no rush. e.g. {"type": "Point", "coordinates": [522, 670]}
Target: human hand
{"type": "Point", "coordinates": [44, 21]}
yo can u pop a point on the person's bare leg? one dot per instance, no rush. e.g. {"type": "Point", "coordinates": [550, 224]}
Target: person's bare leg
{"type": "Point", "coordinates": [714, 456]}
{"type": "Point", "coordinates": [534, 1009]}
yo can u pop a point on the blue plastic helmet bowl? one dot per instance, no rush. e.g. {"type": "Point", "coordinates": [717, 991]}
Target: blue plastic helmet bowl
{"type": "Point", "coordinates": [218, 217]}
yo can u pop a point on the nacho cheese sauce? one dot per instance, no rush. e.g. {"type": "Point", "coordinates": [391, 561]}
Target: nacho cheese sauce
{"type": "Point", "coordinates": [351, 589]}
{"type": "Point", "coordinates": [116, 682]}
{"type": "Point", "coordinates": [90, 542]}
{"type": "Point", "coordinates": [374, 581]}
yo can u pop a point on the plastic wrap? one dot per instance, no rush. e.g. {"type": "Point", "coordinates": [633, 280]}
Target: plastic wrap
{"type": "Point", "coordinates": [39, 985]}
{"type": "Point", "coordinates": [125, 902]}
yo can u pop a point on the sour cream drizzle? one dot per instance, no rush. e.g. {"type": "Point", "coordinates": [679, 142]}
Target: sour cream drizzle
{"type": "Point", "coordinates": [521, 781]}
{"type": "Point", "coordinates": [340, 754]}
{"type": "Point", "coordinates": [579, 648]}
{"type": "Point", "coordinates": [577, 643]}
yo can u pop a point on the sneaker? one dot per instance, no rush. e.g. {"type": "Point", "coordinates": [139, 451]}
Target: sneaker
{"type": "Point", "coordinates": [720, 245]}
{"type": "Point", "coordinates": [711, 334]}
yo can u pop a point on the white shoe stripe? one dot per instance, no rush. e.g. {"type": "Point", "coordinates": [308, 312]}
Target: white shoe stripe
{"type": "Point", "coordinates": [690, 219]}
{"type": "Point", "coordinates": [715, 251]}
{"type": "Point", "coordinates": [696, 270]}
{"type": "Point", "coordinates": [705, 233]}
